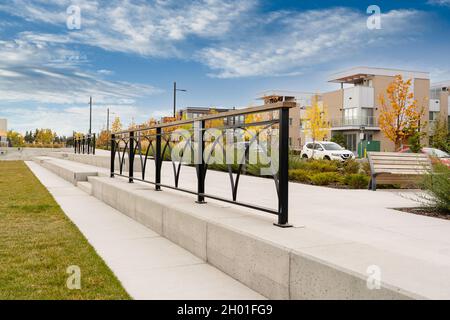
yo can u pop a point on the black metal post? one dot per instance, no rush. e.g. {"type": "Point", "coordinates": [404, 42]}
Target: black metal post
{"type": "Point", "coordinates": [89, 144]}
{"type": "Point", "coordinates": [158, 161]}
{"type": "Point", "coordinates": [84, 144]}
{"type": "Point", "coordinates": [131, 158]}
{"type": "Point", "coordinates": [90, 115]}
{"type": "Point", "coordinates": [107, 128]}
{"type": "Point", "coordinates": [198, 127]}
{"type": "Point", "coordinates": [283, 169]}
{"type": "Point", "coordinates": [113, 154]}
{"type": "Point", "coordinates": [174, 99]}
{"type": "Point", "coordinates": [93, 145]}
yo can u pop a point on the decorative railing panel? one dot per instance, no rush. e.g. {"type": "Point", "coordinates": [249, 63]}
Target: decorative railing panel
{"type": "Point", "coordinates": [84, 144]}
{"type": "Point", "coordinates": [254, 140]}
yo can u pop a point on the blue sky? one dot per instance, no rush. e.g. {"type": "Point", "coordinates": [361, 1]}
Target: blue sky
{"type": "Point", "coordinates": [127, 53]}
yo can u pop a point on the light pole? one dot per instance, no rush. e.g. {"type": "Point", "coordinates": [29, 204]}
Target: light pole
{"type": "Point", "coordinates": [107, 126]}
{"type": "Point", "coordinates": [175, 98]}
{"type": "Point", "coordinates": [90, 115]}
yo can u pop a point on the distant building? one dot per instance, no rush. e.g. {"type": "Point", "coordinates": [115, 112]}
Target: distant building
{"type": "Point", "coordinates": [195, 112]}
{"type": "Point", "coordinates": [3, 133]}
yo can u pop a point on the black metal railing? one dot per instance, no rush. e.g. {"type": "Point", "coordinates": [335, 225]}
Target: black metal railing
{"type": "Point", "coordinates": [260, 133]}
{"type": "Point", "coordinates": [84, 144]}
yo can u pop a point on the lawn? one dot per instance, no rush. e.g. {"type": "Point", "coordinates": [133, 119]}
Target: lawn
{"type": "Point", "coordinates": [38, 243]}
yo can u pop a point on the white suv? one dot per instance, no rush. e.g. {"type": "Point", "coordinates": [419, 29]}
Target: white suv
{"type": "Point", "coordinates": [326, 150]}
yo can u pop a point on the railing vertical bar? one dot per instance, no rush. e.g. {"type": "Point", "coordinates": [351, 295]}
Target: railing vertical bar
{"type": "Point", "coordinates": [158, 160]}
{"type": "Point", "coordinates": [131, 158]}
{"type": "Point", "coordinates": [283, 168]}
{"type": "Point", "coordinates": [113, 154]}
{"type": "Point", "coordinates": [93, 144]}
{"type": "Point", "coordinates": [198, 127]}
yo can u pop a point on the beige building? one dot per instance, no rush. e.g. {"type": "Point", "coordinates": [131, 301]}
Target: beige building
{"type": "Point", "coordinates": [303, 99]}
{"type": "Point", "coordinates": [3, 133]}
{"type": "Point", "coordinates": [355, 107]}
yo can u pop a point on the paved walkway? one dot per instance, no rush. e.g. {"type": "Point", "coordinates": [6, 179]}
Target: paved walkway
{"type": "Point", "coordinates": [148, 265]}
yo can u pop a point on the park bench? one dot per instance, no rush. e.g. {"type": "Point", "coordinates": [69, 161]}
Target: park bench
{"type": "Point", "coordinates": [397, 168]}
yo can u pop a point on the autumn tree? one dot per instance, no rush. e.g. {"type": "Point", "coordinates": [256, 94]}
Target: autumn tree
{"type": "Point", "coordinates": [116, 126]}
{"type": "Point", "coordinates": [15, 139]}
{"type": "Point", "coordinates": [102, 139]}
{"type": "Point", "coordinates": [400, 115]}
{"type": "Point", "coordinates": [317, 124]}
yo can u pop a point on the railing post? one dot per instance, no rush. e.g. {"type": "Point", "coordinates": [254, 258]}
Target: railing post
{"type": "Point", "coordinates": [158, 160]}
{"type": "Point", "coordinates": [89, 144]}
{"type": "Point", "coordinates": [113, 154]}
{"type": "Point", "coordinates": [84, 144]}
{"type": "Point", "coordinates": [283, 169]}
{"type": "Point", "coordinates": [199, 161]}
{"type": "Point", "coordinates": [93, 145]}
{"type": "Point", "coordinates": [131, 158]}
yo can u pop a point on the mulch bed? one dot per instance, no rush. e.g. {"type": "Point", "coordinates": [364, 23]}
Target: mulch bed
{"type": "Point", "coordinates": [424, 211]}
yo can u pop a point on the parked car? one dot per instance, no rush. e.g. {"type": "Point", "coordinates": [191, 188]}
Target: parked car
{"type": "Point", "coordinates": [326, 150]}
{"type": "Point", "coordinates": [438, 155]}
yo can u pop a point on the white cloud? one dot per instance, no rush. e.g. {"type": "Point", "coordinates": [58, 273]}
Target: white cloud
{"type": "Point", "coordinates": [304, 38]}
{"type": "Point", "coordinates": [34, 70]}
{"type": "Point", "coordinates": [146, 28]}
{"type": "Point", "coordinates": [439, 2]}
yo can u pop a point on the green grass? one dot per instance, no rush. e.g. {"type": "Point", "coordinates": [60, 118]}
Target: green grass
{"type": "Point", "coordinates": [38, 243]}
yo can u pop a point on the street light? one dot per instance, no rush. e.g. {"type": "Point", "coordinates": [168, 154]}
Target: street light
{"type": "Point", "coordinates": [175, 98]}
{"type": "Point", "coordinates": [107, 126]}
{"type": "Point", "coordinates": [90, 115]}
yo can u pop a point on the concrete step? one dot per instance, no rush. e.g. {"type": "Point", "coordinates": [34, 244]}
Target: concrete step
{"type": "Point", "coordinates": [85, 186]}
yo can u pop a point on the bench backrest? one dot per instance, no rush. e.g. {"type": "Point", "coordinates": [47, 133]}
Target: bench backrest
{"type": "Point", "coordinates": [399, 163]}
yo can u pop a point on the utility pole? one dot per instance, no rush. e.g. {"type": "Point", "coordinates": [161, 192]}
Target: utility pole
{"type": "Point", "coordinates": [175, 98]}
{"type": "Point", "coordinates": [90, 115]}
{"type": "Point", "coordinates": [107, 128]}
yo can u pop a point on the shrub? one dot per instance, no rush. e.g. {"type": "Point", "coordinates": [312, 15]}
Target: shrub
{"type": "Point", "coordinates": [299, 175]}
{"type": "Point", "coordinates": [325, 178]}
{"type": "Point", "coordinates": [350, 167]}
{"type": "Point", "coordinates": [365, 167]}
{"type": "Point", "coordinates": [437, 183]}
{"type": "Point", "coordinates": [356, 180]}
{"type": "Point", "coordinates": [339, 139]}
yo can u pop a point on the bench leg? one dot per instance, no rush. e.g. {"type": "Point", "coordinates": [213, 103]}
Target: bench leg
{"type": "Point", "coordinates": [373, 183]}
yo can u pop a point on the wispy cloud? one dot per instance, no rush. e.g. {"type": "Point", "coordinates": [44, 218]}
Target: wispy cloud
{"type": "Point", "coordinates": [302, 39]}
{"type": "Point", "coordinates": [439, 2]}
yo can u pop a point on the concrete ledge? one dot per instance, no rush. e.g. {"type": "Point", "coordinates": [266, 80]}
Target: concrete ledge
{"type": "Point", "coordinates": [277, 263]}
{"type": "Point", "coordinates": [71, 172]}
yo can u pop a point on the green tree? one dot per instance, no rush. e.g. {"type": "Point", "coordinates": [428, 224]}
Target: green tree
{"type": "Point", "coordinates": [440, 138]}
{"type": "Point", "coordinates": [414, 142]}
{"type": "Point", "coordinates": [339, 139]}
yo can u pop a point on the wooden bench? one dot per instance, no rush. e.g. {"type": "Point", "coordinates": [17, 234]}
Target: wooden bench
{"type": "Point", "coordinates": [397, 168]}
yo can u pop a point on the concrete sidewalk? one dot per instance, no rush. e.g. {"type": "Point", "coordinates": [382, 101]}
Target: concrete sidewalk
{"type": "Point", "coordinates": [148, 265]}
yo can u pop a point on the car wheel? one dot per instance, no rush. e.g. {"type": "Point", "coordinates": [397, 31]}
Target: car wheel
{"type": "Point", "coordinates": [305, 156]}
{"type": "Point", "coordinates": [326, 158]}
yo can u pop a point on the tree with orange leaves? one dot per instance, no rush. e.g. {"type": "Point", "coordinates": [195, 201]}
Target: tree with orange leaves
{"type": "Point", "coordinates": [400, 116]}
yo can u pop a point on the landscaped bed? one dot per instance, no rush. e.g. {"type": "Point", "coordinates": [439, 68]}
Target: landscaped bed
{"type": "Point", "coordinates": [38, 244]}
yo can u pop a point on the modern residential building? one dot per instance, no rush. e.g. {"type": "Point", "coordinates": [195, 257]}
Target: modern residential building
{"type": "Point", "coordinates": [303, 99]}
{"type": "Point", "coordinates": [3, 133]}
{"type": "Point", "coordinates": [354, 108]}
{"type": "Point", "coordinates": [439, 103]}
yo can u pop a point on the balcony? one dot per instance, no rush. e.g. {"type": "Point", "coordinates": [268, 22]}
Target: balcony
{"type": "Point", "coordinates": [354, 123]}
{"type": "Point", "coordinates": [358, 97]}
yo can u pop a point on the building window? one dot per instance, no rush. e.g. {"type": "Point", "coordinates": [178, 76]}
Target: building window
{"type": "Point", "coordinates": [350, 116]}
{"type": "Point", "coordinates": [350, 141]}
{"type": "Point", "coordinates": [433, 115]}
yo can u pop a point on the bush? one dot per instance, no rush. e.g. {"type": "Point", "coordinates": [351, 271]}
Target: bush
{"type": "Point", "coordinates": [365, 167]}
{"type": "Point", "coordinates": [350, 167]}
{"type": "Point", "coordinates": [437, 183]}
{"type": "Point", "coordinates": [299, 175]}
{"type": "Point", "coordinates": [356, 181]}
{"type": "Point", "coordinates": [325, 178]}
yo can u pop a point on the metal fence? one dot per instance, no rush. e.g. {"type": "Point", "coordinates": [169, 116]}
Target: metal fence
{"type": "Point", "coordinates": [256, 137]}
{"type": "Point", "coordinates": [84, 144]}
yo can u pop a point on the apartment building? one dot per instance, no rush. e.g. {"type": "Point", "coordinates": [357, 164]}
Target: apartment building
{"type": "Point", "coordinates": [3, 133]}
{"type": "Point", "coordinates": [354, 108]}
{"type": "Point", "coordinates": [195, 112]}
{"type": "Point", "coordinates": [439, 106]}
